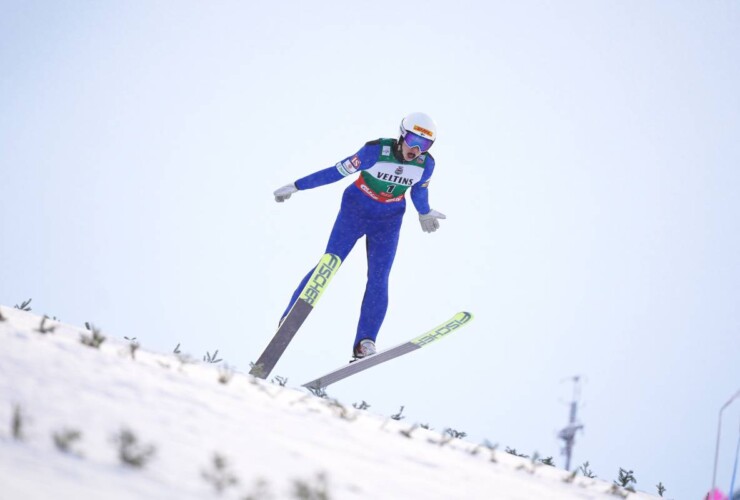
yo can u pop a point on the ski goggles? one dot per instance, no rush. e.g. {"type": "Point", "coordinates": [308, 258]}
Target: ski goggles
{"type": "Point", "coordinates": [413, 140]}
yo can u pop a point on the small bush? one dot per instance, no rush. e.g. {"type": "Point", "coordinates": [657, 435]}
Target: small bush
{"type": "Point", "coordinates": [409, 431]}
{"type": "Point", "coordinates": [133, 346]}
{"type": "Point", "coordinates": [93, 340]}
{"type": "Point", "coordinates": [225, 374]}
{"type": "Point", "coordinates": [492, 448]}
{"type": "Point", "coordinates": [570, 477]}
{"type": "Point", "coordinates": [361, 406]}
{"type": "Point", "coordinates": [212, 358]}
{"type": "Point", "coordinates": [17, 423]}
{"type": "Point", "coordinates": [24, 305]}
{"type": "Point", "coordinates": [547, 461]}
{"type": "Point", "coordinates": [130, 451]}
{"type": "Point", "coordinates": [661, 489]}
{"type": "Point", "coordinates": [184, 359]}
{"type": "Point", "coordinates": [261, 491]}
{"type": "Point", "coordinates": [626, 479]}
{"type": "Point", "coordinates": [304, 490]}
{"type": "Point", "coordinates": [42, 329]}
{"type": "Point", "coordinates": [512, 451]}
{"type": "Point", "coordinates": [455, 433]}
{"type": "Point", "coordinates": [398, 416]}
{"type": "Point", "coordinates": [617, 491]}
{"type": "Point", "coordinates": [341, 410]}
{"type": "Point", "coordinates": [586, 471]}
{"type": "Point", "coordinates": [65, 439]}
{"type": "Point", "coordinates": [220, 475]}
{"type": "Point", "coordinates": [319, 392]}
{"type": "Point", "coordinates": [443, 440]}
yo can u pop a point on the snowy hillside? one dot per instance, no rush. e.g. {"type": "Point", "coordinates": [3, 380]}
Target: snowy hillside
{"type": "Point", "coordinates": [277, 442]}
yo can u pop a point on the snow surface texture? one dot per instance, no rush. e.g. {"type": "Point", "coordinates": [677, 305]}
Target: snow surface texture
{"type": "Point", "coordinates": [279, 435]}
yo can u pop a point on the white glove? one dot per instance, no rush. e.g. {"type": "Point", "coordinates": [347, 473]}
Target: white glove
{"type": "Point", "coordinates": [430, 221]}
{"type": "Point", "coordinates": [283, 193]}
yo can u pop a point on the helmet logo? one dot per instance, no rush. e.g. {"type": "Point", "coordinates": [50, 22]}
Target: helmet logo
{"type": "Point", "coordinates": [399, 170]}
{"type": "Point", "coordinates": [424, 131]}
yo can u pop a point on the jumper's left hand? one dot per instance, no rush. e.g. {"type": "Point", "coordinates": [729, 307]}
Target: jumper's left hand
{"type": "Point", "coordinates": [430, 221]}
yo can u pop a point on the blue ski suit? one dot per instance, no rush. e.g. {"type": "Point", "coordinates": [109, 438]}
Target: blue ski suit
{"type": "Point", "coordinates": [373, 206]}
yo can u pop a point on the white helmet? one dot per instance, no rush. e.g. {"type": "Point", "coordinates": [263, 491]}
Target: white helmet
{"type": "Point", "coordinates": [420, 124]}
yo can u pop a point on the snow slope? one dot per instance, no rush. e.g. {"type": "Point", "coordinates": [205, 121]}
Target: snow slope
{"type": "Point", "coordinates": [269, 433]}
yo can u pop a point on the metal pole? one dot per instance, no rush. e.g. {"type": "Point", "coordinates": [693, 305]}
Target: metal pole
{"type": "Point", "coordinates": [719, 430]}
{"type": "Point", "coordinates": [568, 434]}
{"type": "Point", "coordinates": [734, 469]}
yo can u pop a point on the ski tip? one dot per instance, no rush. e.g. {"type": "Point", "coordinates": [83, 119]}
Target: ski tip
{"type": "Point", "coordinates": [465, 314]}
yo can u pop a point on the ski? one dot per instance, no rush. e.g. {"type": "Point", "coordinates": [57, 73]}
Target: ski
{"type": "Point", "coordinates": [458, 320]}
{"type": "Point", "coordinates": [322, 275]}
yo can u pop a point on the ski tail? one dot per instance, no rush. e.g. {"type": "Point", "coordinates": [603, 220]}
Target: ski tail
{"type": "Point", "coordinates": [307, 300]}
{"type": "Point", "coordinates": [457, 321]}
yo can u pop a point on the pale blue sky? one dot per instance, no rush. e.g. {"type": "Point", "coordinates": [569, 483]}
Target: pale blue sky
{"type": "Point", "coordinates": [588, 162]}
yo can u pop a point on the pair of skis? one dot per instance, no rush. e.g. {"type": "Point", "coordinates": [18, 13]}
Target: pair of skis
{"type": "Point", "coordinates": [322, 275]}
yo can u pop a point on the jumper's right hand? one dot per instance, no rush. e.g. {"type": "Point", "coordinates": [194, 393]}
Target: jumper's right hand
{"type": "Point", "coordinates": [283, 193]}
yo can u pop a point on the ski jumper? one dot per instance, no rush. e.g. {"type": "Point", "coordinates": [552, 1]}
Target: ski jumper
{"type": "Point", "coordinates": [372, 206]}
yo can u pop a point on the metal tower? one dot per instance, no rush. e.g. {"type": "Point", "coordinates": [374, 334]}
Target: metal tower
{"type": "Point", "coordinates": [568, 434]}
